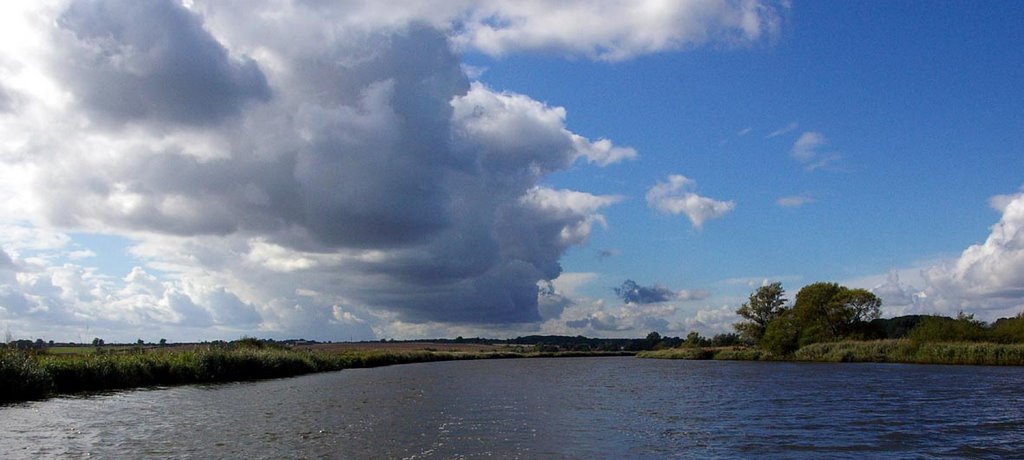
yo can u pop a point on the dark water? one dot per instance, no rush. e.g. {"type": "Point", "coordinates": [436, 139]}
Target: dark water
{"type": "Point", "coordinates": [548, 408]}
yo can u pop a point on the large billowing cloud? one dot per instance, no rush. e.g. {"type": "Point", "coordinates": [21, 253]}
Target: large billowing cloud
{"type": "Point", "coordinates": [606, 30]}
{"type": "Point", "coordinates": [613, 30]}
{"type": "Point", "coordinates": [299, 167]}
{"type": "Point", "coordinates": [987, 274]}
{"type": "Point", "coordinates": [987, 279]}
{"type": "Point", "coordinates": [151, 59]}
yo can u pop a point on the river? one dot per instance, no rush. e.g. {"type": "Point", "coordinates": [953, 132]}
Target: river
{"type": "Point", "coordinates": [547, 408]}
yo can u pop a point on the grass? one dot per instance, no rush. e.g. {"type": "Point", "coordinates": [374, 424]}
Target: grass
{"type": "Point", "coordinates": [698, 353]}
{"type": "Point", "coordinates": [26, 375]}
{"type": "Point", "coordinates": [88, 350]}
{"type": "Point", "coordinates": [907, 351]}
{"type": "Point", "coordinates": [875, 351]}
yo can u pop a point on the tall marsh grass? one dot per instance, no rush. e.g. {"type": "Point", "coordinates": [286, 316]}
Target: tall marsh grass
{"type": "Point", "coordinates": [908, 351]}
{"type": "Point", "coordinates": [874, 351]}
{"type": "Point", "coordinates": [31, 375]}
{"type": "Point", "coordinates": [678, 353]}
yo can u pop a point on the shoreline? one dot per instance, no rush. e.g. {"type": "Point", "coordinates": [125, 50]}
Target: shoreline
{"type": "Point", "coordinates": [27, 376]}
{"type": "Point", "coordinates": [896, 351]}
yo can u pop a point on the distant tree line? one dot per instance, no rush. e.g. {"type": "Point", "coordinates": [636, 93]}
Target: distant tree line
{"type": "Point", "coordinates": [653, 341]}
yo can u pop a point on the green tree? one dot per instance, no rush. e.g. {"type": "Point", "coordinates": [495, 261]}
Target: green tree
{"type": "Point", "coordinates": [828, 311]}
{"type": "Point", "coordinates": [782, 335]}
{"type": "Point", "coordinates": [764, 305]}
{"type": "Point", "coordinates": [942, 329]}
{"type": "Point", "coordinates": [725, 340]}
{"type": "Point", "coordinates": [694, 340]}
{"type": "Point", "coordinates": [1009, 330]}
{"type": "Point", "coordinates": [652, 340]}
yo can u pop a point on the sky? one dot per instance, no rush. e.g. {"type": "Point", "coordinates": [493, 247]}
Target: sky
{"type": "Point", "coordinates": [358, 170]}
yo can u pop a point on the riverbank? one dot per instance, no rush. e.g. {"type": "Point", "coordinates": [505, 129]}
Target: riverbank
{"type": "Point", "coordinates": [30, 375]}
{"type": "Point", "coordinates": [875, 351]}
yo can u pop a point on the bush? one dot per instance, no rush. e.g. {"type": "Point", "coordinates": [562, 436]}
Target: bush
{"type": "Point", "coordinates": [941, 329]}
{"type": "Point", "coordinates": [21, 377]}
{"type": "Point", "coordinates": [876, 351]}
{"type": "Point", "coordinates": [782, 335]}
{"type": "Point", "coordinates": [1009, 330]}
{"type": "Point", "coordinates": [740, 354]}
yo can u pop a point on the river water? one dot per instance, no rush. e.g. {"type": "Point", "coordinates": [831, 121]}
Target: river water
{"type": "Point", "coordinates": [547, 408]}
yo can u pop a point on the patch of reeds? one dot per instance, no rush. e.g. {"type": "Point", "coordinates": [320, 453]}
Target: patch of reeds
{"type": "Point", "coordinates": [702, 353]}
{"type": "Point", "coordinates": [874, 351]}
{"type": "Point", "coordinates": [997, 354]}
{"type": "Point", "coordinates": [30, 375]}
{"type": "Point", "coordinates": [696, 353]}
{"type": "Point", "coordinates": [908, 351]}
{"type": "Point", "coordinates": [741, 354]}
{"type": "Point", "coordinates": [21, 377]}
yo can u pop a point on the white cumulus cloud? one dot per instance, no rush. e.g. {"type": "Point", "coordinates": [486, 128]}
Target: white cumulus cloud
{"type": "Point", "coordinates": [676, 196]}
{"type": "Point", "coordinates": [255, 152]}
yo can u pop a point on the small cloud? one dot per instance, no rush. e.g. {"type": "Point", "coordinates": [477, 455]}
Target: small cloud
{"type": "Point", "coordinates": [696, 294]}
{"type": "Point", "coordinates": [754, 282]}
{"type": "Point", "coordinates": [1000, 202]}
{"type": "Point", "coordinates": [632, 293]}
{"type": "Point", "coordinates": [675, 197]}
{"type": "Point", "coordinates": [602, 151]}
{"type": "Point", "coordinates": [806, 147]}
{"type": "Point", "coordinates": [808, 150]}
{"type": "Point", "coordinates": [786, 129]}
{"type": "Point", "coordinates": [744, 132]}
{"type": "Point", "coordinates": [794, 201]}
{"type": "Point", "coordinates": [473, 72]}
{"type": "Point", "coordinates": [343, 316]}
{"type": "Point", "coordinates": [81, 254]}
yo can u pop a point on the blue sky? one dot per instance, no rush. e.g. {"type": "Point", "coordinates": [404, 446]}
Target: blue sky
{"type": "Point", "coordinates": [921, 102]}
{"type": "Point", "coordinates": [199, 170]}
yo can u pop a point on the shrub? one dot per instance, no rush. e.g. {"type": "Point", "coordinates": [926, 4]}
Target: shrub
{"type": "Point", "coordinates": [941, 329]}
{"type": "Point", "coordinates": [740, 354]}
{"type": "Point", "coordinates": [21, 377]}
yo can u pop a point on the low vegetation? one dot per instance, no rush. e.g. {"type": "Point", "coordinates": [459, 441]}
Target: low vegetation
{"type": "Point", "coordinates": [833, 323]}
{"type": "Point", "coordinates": [35, 373]}
{"type": "Point", "coordinates": [700, 353]}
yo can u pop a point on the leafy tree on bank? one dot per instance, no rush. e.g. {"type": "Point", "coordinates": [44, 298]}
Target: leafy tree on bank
{"type": "Point", "coordinates": [782, 335]}
{"type": "Point", "coordinates": [727, 339]}
{"type": "Point", "coordinates": [964, 328]}
{"type": "Point", "coordinates": [828, 311]}
{"type": "Point", "coordinates": [763, 306]}
{"type": "Point", "coordinates": [1008, 330]}
{"type": "Point", "coordinates": [694, 340]}
{"type": "Point", "coordinates": [822, 312]}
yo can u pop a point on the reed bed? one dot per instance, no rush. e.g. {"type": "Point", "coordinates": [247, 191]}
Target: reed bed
{"type": "Point", "coordinates": [694, 353]}
{"type": "Point", "coordinates": [908, 351]}
{"type": "Point", "coordinates": [742, 354]}
{"type": "Point", "coordinates": [874, 351]}
{"type": "Point", "coordinates": [703, 353]}
{"type": "Point", "coordinates": [26, 375]}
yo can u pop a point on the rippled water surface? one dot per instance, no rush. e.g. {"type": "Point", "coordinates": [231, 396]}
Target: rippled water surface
{"type": "Point", "coordinates": [537, 408]}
